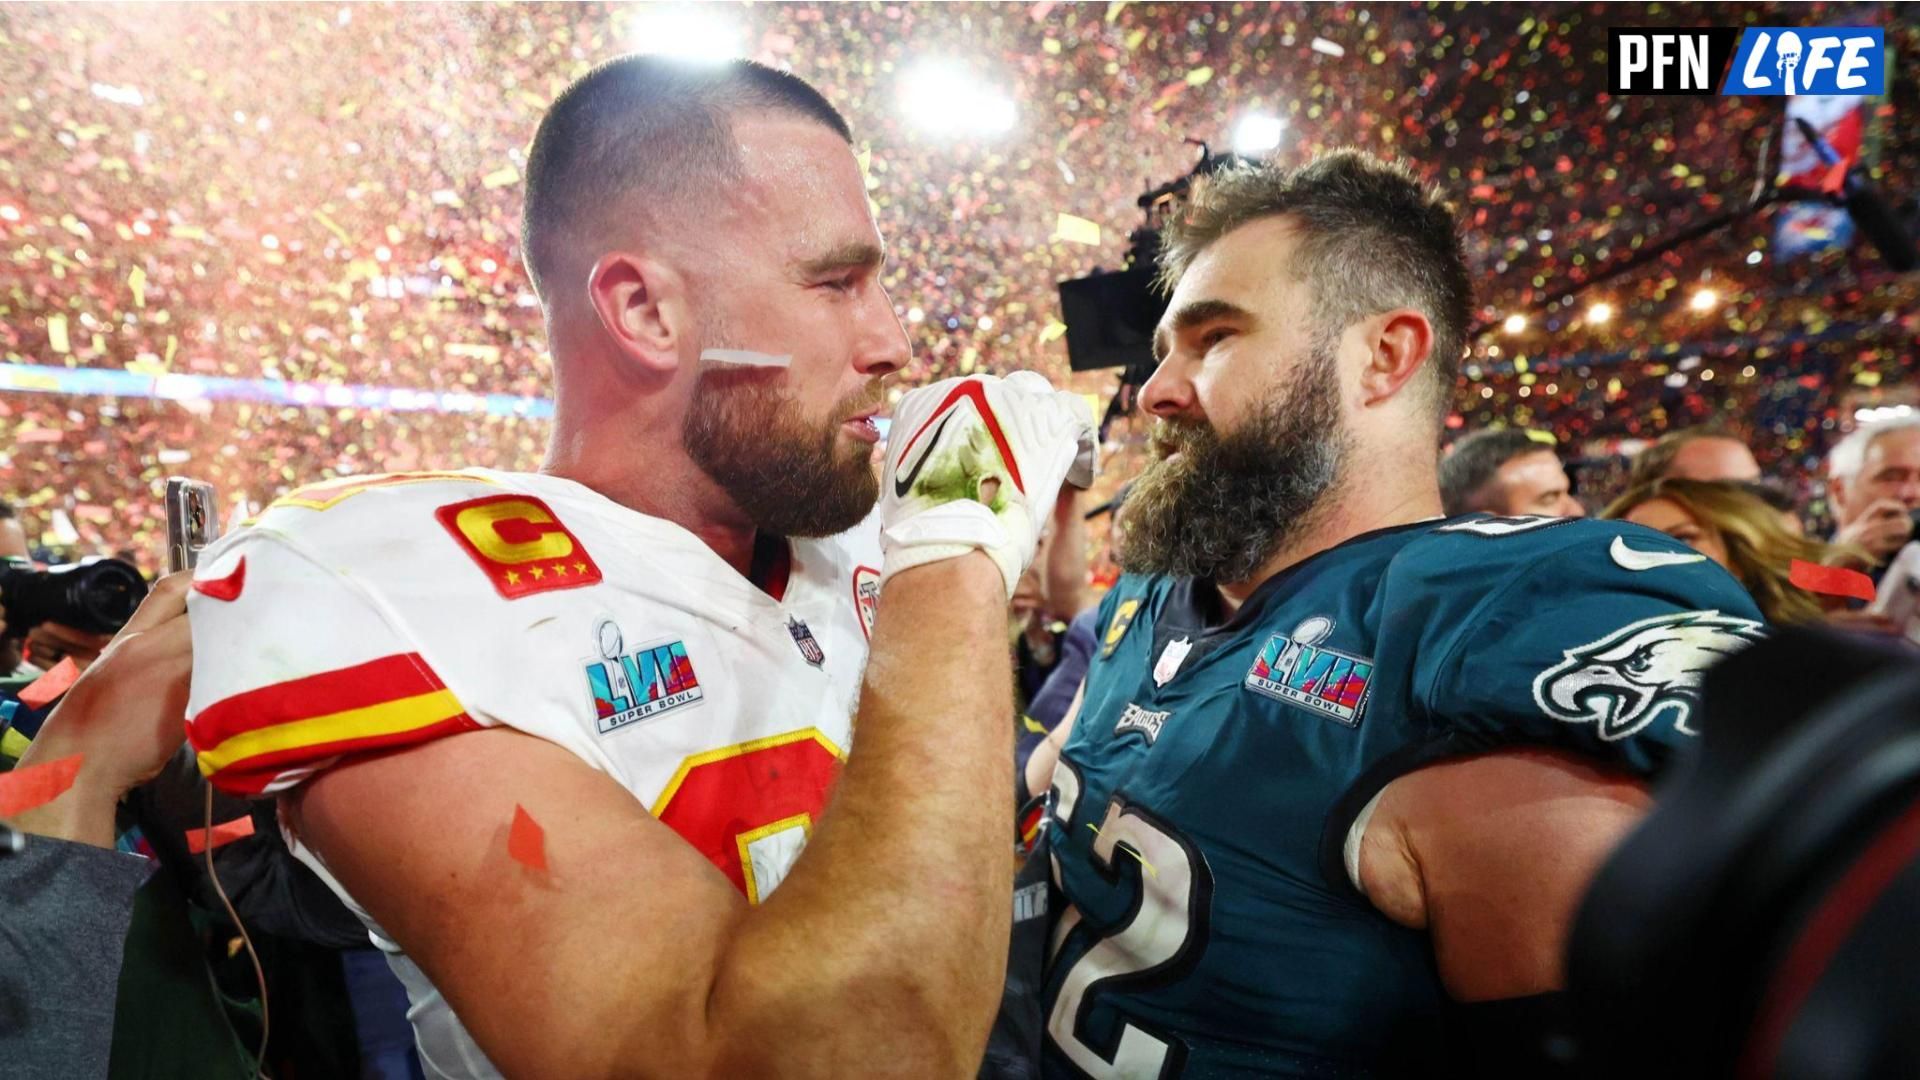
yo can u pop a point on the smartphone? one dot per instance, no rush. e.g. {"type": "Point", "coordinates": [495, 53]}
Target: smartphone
{"type": "Point", "coordinates": [1898, 597]}
{"type": "Point", "coordinates": [193, 521]}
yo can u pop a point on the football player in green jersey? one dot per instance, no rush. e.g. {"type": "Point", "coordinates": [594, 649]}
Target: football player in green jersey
{"type": "Point", "coordinates": [1343, 767]}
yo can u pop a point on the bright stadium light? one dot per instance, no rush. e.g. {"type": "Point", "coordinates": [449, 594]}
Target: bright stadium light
{"type": "Point", "coordinates": [694, 33]}
{"type": "Point", "coordinates": [1600, 313]}
{"type": "Point", "coordinates": [1257, 133]}
{"type": "Point", "coordinates": [943, 96]}
{"type": "Point", "coordinates": [1515, 323]}
{"type": "Point", "coordinates": [1703, 301]}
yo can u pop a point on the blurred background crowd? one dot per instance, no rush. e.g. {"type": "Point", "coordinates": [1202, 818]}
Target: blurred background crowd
{"type": "Point", "coordinates": [231, 208]}
{"type": "Point", "coordinates": [268, 245]}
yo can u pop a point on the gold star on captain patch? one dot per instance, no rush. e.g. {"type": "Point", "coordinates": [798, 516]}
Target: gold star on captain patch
{"type": "Point", "coordinates": [560, 568]}
{"type": "Point", "coordinates": [537, 573]}
{"type": "Point", "coordinates": [580, 566]}
{"type": "Point", "coordinates": [513, 578]}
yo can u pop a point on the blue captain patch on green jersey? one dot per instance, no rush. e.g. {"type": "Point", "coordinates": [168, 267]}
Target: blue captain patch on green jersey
{"type": "Point", "coordinates": [1209, 929]}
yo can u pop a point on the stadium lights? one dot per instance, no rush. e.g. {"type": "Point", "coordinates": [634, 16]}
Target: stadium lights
{"type": "Point", "coordinates": [1882, 412]}
{"type": "Point", "coordinates": [1600, 313]}
{"type": "Point", "coordinates": [942, 96]}
{"type": "Point", "coordinates": [1704, 300]}
{"type": "Point", "coordinates": [685, 33]}
{"type": "Point", "coordinates": [1514, 323]}
{"type": "Point", "coordinates": [1257, 133]}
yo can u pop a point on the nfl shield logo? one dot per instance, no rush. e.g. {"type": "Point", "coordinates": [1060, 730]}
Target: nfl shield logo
{"type": "Point", "coordinates": [1171, 658]}
{"type": "Point", "coordinates": [866, 596]}
{"type": "Point", "coordinates": [803, 637]}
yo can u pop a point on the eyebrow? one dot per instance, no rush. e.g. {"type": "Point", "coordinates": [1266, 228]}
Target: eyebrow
{"type": "Point", "coordinates": [848, 256]}
{"type": "Point", "coordinates": [1192, 315]}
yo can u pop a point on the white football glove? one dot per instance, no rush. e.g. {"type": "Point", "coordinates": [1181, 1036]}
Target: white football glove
{"type": "Point", "coordinates": [947, 439]}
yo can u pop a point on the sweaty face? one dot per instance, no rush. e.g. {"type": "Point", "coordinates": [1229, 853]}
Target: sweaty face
{"type": "Point", "coordinates": [1534, 483]}
{"type": "Point", "coordinates": [1217, 504]}
{"type": "Point", "coordinates": [794, 271]}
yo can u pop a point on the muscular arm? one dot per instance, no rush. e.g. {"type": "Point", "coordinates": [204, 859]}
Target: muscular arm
{"type": "Point", "coordinates": [880, 954]}
{"type": "Point", "coordinates": [1491, 855]}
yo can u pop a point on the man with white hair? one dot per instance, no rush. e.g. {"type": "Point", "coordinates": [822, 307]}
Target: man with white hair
{"type": "Point", "coordinates": [1874, 477]}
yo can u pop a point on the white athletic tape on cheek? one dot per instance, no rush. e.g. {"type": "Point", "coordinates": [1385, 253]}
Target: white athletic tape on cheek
{"type": "Point", "coordinates": [745, 358]}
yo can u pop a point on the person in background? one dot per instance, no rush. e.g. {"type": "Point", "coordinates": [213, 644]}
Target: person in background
{"type": "Point", "coordinates": [69, 894]}
{"type": "Point", "coordinates": [1736, 528]}
{"type": "Point", "coordinates": [1874, 478]}
{"type": "Point", "coordinates": [45, 644]}
{"type": "Point", "coordinates": [1701, 453]}
{"type": "Point", "coordinates": [1047, 597]}
{"type": "Point", "coordinates": [1507, 472]}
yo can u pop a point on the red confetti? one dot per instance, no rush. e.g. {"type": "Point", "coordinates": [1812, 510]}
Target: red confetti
{"type": "Point", "coordinates": [37, 785]}
{"type": "Point", "coordinates": [199, 840]}
{"type": "Point", "coordinates": [47, 689]}
{"type": "Point", "coordinates": [1831, 580]}
{"type": "Point", "coordinates": [527, 841]}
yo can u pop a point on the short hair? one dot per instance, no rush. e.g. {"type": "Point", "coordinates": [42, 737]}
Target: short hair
{"type": "Point", "coordinates": [1373, 238]}
{"type": "Point", "coordinates": [1849, 455]}
{"type": "Point", "coordinates": [647, 126]}
{"type": "Point", "coordinates": [1657, 459]}
{"type": "Point", "coordinates": [1470, 467]}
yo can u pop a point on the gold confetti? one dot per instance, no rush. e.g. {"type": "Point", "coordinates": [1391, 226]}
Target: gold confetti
{"type": "Point", "coordinates": [57, 334]}
{"type": "Point", "coordinates": [137, 284]}
{"type": "Point", "coordinates": [1076, 230]}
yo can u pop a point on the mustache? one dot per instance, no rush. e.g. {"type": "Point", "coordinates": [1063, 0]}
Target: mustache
{"type": "Point", "coordinates": [1170, 437]}
{"type": "Point", "coordinates": [869, 397]}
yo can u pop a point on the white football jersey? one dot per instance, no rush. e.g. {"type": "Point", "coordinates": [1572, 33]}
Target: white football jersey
{"type": "Point", "coordinates": [377, 612]}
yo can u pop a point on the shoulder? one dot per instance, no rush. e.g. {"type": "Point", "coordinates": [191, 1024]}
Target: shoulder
{"type": "Point", "coordinates": [1529, 558]}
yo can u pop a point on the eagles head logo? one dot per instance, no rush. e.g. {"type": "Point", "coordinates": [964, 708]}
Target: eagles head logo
{"type": "Point", "coordinates": [1642, 672]}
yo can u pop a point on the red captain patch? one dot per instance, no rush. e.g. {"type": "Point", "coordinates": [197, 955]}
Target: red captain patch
{"type": "Point", "coordinates": [520, 545]}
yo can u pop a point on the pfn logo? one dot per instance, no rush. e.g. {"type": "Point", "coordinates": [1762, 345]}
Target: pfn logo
{"type": "Point", "coordinates": [1784, 62]}
{"type": "Point", "coordinates": [1764, 60]}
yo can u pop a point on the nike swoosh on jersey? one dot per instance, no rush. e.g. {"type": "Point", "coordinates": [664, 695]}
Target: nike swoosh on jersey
{"type": "Point", "coordinates": [904, 484]}
{"type": "Point", "coordinates": [1631, 559]}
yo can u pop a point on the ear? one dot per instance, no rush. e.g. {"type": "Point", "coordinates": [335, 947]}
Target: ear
{"type": "Point", "coordinates": [641, 307]}
{"type": "Point", "coordinates": [1399, 344]}
{"type": "Point", "coordinates": [1837, 490]}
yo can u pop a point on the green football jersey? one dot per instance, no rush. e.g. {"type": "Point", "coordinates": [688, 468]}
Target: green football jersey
{"type": "Point", "coordinates": [1203, 802]}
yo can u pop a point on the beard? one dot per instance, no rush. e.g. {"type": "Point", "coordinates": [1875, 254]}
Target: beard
{"type": "Point", "coordinates": [1229, 502]}
{"type": "Point", "coordinates": [791, 476]}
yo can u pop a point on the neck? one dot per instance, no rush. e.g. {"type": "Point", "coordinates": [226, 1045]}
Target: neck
{"type": "Point", "coordinates": [1402, 496]}
{"type": "Point", "coordinates": [622, 457]}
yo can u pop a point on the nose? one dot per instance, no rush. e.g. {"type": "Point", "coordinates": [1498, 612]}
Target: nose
{"type": "Point", "coordinates": [1570, 507]}
{"type": "Point", "coordinates": [882, 348]}
{"type": "Point", "coordinates": [1169, 392]}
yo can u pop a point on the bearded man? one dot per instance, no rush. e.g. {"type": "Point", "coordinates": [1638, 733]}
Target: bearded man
{"type": "Point", "coordinates": [1342, 767]}
{"type": "Point", "coordinates": [558, 737]}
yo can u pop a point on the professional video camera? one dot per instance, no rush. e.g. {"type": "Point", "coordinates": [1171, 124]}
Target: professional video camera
{"type": "Point", "coordinates": [1110, 314]}
{"type": "Point", "coordinates": [96, 595]}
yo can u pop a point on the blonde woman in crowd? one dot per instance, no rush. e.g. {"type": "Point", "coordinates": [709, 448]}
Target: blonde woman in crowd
{"type": "Point", "coordinates": [1737, 529]}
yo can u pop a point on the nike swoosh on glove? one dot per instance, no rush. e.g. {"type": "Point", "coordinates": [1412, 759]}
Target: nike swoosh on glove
{"type": "Point", "coordinates": [951, 438]}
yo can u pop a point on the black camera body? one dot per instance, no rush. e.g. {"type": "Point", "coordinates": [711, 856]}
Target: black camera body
{"type": "Point", "coordinates": [97, 596]}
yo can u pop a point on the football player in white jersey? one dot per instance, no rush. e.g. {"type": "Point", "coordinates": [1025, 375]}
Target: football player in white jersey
{"type": "Point", "coordinates": [558, 737]}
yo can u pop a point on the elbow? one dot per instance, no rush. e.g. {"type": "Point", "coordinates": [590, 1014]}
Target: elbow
{"type": "Point", "coordinates": [880, 1023]}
